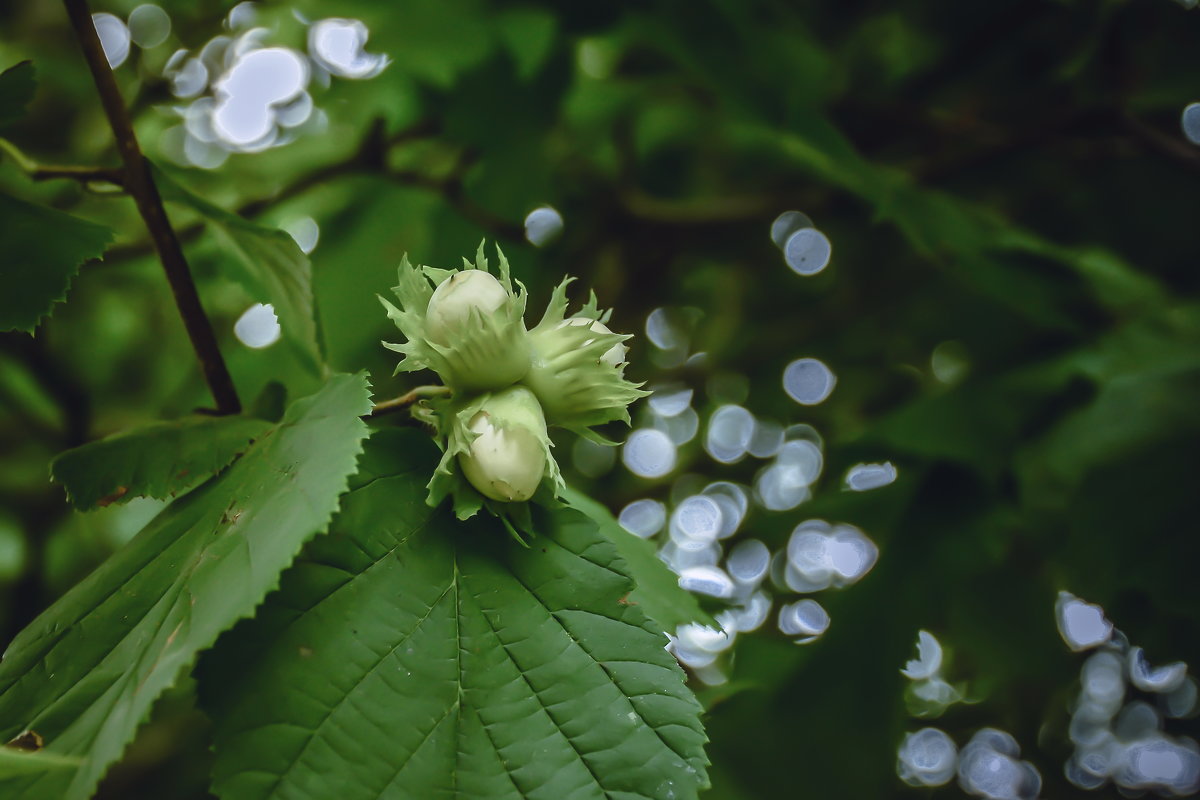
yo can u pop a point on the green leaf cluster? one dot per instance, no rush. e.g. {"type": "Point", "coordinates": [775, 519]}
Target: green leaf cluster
{"type": "Point", "coordinates": [562, 686]}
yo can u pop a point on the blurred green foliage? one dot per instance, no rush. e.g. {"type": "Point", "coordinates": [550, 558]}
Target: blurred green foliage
{"type": "Point", "coordinates": [1006, 189]}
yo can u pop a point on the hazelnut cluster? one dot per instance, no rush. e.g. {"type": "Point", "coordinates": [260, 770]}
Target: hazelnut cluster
{"type": "Point", "coordinates": [507, 382]}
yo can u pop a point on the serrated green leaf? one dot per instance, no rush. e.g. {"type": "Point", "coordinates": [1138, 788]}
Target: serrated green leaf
{"type": "Point", "coordinates": [266, 261]}
{"type": "Point", "coordinates": [408, 655]}
{"type": "Point", "coordinates": [85, 673]}
{"type": "Point", "coordinates": [17, 85]}
{"type": "Point", "coordinates": [158, 460]}
{"type": "Point", "coordinates": [657, 591]}
{"type": "Point", "coordinates": [43, 249]}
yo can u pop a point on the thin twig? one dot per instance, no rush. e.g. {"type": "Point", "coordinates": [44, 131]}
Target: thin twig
{"type": "Point", "coordinates": [140, 185]}
{"type": "Point", "coordinates": [370, 158]}
{"type": "Point", "coordinates": [1172, 148]}
{"type": "Point", "coordinates": [698, 211]}
{"type": "Point", "coordinates": [407, 399]}
{"type": "Point", "coordinates": [40, 172]}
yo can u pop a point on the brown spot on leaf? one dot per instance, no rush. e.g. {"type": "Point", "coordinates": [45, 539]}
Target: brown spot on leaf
{"type": "Point", "coordinates": [625, 601]}
{"type": "Point", "coordinates": [29, 741]}
{"type": "Point", "coordinates": [108, 500]}
{"type": "Point", "coordinates": [305, 651]}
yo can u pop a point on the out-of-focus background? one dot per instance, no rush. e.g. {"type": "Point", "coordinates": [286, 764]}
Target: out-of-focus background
{"type": "Point", "coordinates": [972, 348]}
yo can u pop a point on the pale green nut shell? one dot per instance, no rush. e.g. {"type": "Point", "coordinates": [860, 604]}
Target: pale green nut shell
{"type": "Point", "coordinates": [507, 458]}
{"type": "Point", "coordinates": [467, 326]}
{"type": "Point", "coordinates": [451, 306]}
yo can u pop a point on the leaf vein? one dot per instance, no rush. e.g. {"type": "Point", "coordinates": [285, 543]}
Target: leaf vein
{"type": "Point", "coordinates": [350, 692]}
{"type": "Point", "coordinates": [537, 695]}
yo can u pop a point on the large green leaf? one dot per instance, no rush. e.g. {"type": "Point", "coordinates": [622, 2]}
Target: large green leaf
{"type": "Point", "coordinates": [267, 261]}
{"type": "Point", "coordinates": [158, 460]}
{"type": "Point", "coordinates": [16, 90]}
{"type": "Point", "coordinates": [23, 762]}
{"type": "Point", "coordinates": [42, 252]}
{"type": "Point", "coordinates": [657, 591]}
{"type": "Point", "coordinates": [85, 673]}
{"type": "Point", "coordinates": [410, 655]}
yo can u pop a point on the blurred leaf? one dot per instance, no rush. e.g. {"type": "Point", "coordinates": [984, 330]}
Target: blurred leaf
{"type": "Point", "coordinates": [17, 85]}
{"type": "Point", "coordinates": [270, 404]}
{"type": "Point", "coordinates": [21, 391]}
{"type": "Point", "coordinates": [158, 460]}
{"type": "Point", "coordinates": [496, 670]}
{"type": "Point", "coordinates": [86, 672]}
{"type": "Point", "coordinates": [434, 41]}
{"type": "Point", "coordinates": [1126, 414]}
{"type": "Point", "coordinates": [267, 261]}
{"type": "Point", "coordinates": [975, 423]}
{"type": "Point", "coordinates": [656, 587]}
{"type": "Point", "coordinates": [528, 34]}
{"type": "Point", "coordinates": [973, 242]}
{"type": "Point", "coordinates": [1148, 378]}
{"type": "Point", "coordinates": [1115, 283]}
{"type": "Point", "coordinates": [43, 249]}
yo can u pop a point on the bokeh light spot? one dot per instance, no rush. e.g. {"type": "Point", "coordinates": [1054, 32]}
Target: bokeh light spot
{"type": "Point", "coordinates": [337, 45]}
{"type": "Point", "coordinates": [258, 327]}
{"type": "Point", "coordinates": [808, 381]}
{"type": "Point", "coordinates": [786, 224]}
{"type": "Point", "coordinates": [643, 518]}
{"type": "Point", "coordinates": [114, 38]}
{"type": "Point", "coordinates": [648, 453]}
{"type": "Point", "coordinates": [543, 225]}
{"type": "Point", "coordinates": [149, 26]}
{"type": "Point", "coordinates": [807, 251]}
{"type": "Point", "coordinates": [1190, 120]}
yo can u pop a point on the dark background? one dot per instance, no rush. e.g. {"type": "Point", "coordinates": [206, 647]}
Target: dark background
{"type": "Point", "coordinates": [1004, 183]}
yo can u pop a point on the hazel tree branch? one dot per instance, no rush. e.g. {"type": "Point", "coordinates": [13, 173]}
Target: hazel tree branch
{"type": "Point", "coordinates": [407, 399]}
{"type": "Point", "coordinates": [137, 181]}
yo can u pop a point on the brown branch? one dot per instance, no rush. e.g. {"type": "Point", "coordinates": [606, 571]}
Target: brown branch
{"type": "Point", "coordinates": [407, 399]}
{"type": "Point", "coordinates": [140, 185]}
{"type": "Point", "coordinates": [697, 211]}
{"type": "Point", "coordinates": [995, 146]}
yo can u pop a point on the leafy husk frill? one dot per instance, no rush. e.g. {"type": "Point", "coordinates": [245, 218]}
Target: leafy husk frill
{"type": "Point", "coordinates": [490, 351]}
